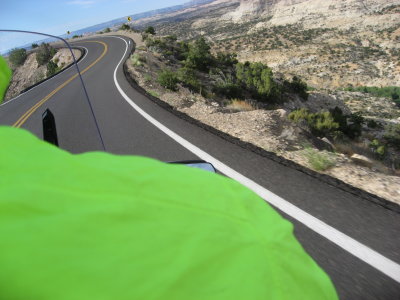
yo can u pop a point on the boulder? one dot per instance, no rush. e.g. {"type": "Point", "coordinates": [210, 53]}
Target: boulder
{"type": "Point", "coordinates": [282, 113]}
{"type": "Point", "coordinates": [362, 160]}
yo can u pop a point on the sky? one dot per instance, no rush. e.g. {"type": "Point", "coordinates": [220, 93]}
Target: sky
{"type": "Point", "coordinates": [56, 17]}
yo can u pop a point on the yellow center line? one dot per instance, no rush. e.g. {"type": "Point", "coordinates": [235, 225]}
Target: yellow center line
{"type": "Point", "coordinates": [30, 111]}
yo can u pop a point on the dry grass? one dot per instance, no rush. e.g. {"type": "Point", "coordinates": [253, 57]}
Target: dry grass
{"type": "Point", "coordinates": [318, 160]}
{"type": "Point", "coordinates": [240, 105]}
{"type": "Point", "coordinates": [345, 148]}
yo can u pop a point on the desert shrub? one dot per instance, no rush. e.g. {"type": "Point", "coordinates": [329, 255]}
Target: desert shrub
{"type": "Point", "coordinates": [373, 124]}
{"type": "Point", "coordinates": [349, 125]}
{"type": "Point", "coordinates": [125, 27]}
{"type": "Point", "coordinates": [258, 79]}
{"type": "Point", "coordinates": [158, 45]}
{"type": "Point", "coordinates": [154, 93]}
{"type": "Point", "coordinates": [378, 148]}
{"type": "Point", "coordinates": [388, 91]}
{"type": "Point", "coordinates": [182, 51]}
{"type": "Point", "coordinates": [228, 89]}
{"type": "Point", "coordinates": [392, 92]}
{"type": "Point", "coordinates": [199, 56]}
{"type": "Point", "coordinates": [34, 45]}
{"type": "Point", "coordinates": [137, 59]}
{"type": "Point", "coordinates": [226, 59]}
{"type": "Point", "coordinates": [52, 68]}
{"type": "Point", "coordinates": [298, 86]}
{"type": "Point", "coordinates": [150, 30]}
{"type": "Point", "coordinates": [299, 115]}
{"type": "Point", "coordinates": [321, 124]}
{"type": "Point", "coordinates": [45, 53]}
{"type": "Point", "coordinates": [188, 78]}
{"type": "Point", "coordinates": [319, 161]}
{"type": "Point", "coordinates": [17, 56]}
{"type": "Point", "coordinates": [171, 38]}
{"type": "Point", "coordinates": [392, 135]}
{"type": "Point", "coordinates": [354, 127]}
{"type": "Point", "coordinates": [107, 30]}
{"type": "Point", "coordinates": [168, 79]}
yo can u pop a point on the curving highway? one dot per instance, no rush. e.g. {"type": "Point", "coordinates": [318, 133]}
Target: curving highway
{"type": "Point", "coordinates": [354, 240]}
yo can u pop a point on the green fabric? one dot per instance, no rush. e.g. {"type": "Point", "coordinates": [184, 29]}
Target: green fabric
{"type": "Point", "coordinates": [104, 227]}
{"type": "Point", "coordinates": [5, 77]}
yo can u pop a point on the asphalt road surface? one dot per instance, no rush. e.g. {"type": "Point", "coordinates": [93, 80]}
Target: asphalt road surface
{"type": "Point", "coordinates": [354, 240]}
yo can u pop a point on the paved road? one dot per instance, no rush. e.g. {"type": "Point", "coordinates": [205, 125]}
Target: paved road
{"type": "Point", "coordinates": [355, 241]}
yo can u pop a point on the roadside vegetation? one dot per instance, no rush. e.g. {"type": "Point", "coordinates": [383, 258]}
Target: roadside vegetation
{"type": "Point", "coordinates": [44, 53]}
{"type": "Point", "coordinates": [218, 75]}
{"type": "Point", "coordinates": [319, 160]}
{"type": "Point", "coordinates": [168, 65]}
{"type": "Point", "coordinates": [17, 57]}
{"type": "Point", "coordinates": [392, 92]}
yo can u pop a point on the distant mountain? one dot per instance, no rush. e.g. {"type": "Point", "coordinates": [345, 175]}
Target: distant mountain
{"type": "Point", "coordinates": [135, 17]}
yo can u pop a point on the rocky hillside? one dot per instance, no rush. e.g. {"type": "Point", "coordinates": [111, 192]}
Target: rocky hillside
{"type": "Point", "coordinates": [329, 43]}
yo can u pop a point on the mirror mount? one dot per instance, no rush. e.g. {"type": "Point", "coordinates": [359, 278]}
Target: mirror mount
{"type": "Point", "coordinates": [49, 128]}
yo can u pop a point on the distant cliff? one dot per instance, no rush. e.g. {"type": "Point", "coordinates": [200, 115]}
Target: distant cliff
{"type": "Point", "coordinates": [290, 11]}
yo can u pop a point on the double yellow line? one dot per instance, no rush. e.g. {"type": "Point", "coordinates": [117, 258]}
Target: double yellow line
{"type": "Point", "coordinates": [30, 111]}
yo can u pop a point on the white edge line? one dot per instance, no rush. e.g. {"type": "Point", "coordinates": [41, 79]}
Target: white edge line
{"type": "Point", "coordinates": [15, 98]}
{"type": "Point", "coordinates": [364, 253]}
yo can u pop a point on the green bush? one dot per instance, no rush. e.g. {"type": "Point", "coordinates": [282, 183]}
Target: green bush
{"type": "Point", "coordinates": [373, 124]}
{"type": "Point", "coordinates": [228, 89]}
{"type": "Point", "coordinates": [45, 53]}
{"type": "Point", "coordinates": [125, 27]}
{"type": "Point", "coordinates": [298, 86]}
{"type": "Point", "coordinates": [299, 115]}
{"type": "Point", "coordinates": [188, 78]}
{"type": "Point", "coordinates": [182, 50]}
{"type": "Point", "coordinates": [350, 125]}
{"type": "Point", "coordinates": [17, 57]}
{"type": "Point", "coordinates": [34, 45]}
{"type": "Point", "coordinates": [154, 93]}
{"type": "Point", "coordinates": [388, 92]}
{"type": "Point", "coordinates": [321, 124]}
{"type": "Point", "coordinates": [392, 135]}
{"type": "Point", "coordinates": [168, 79]}
{"type": "Point", "coordinates": [199, 56]}
{"type": "Point", "coordinates": [150, 30]}
{"type": "Point", "coordinates": [52, 68]}
{"type": "Point", "coordinates": [378, 148]}
{"type": "Point", "coordinates": [319, 161]}
{"type": "Point", "coordinates": [171, 38]}
{"type": "Point", "coordinates": [107, 30]}
{"type": "Point", "coordinates": [330, 124]}
{"type": "Point", "coordinates": [354, 127]}
{"type": "Point", "coordinates": [226, 59]}
{"type": "Point", "coordinates": [137, 60]}
{"type": "Point", "coordinates": [157, 44]}
{"type": "Point", "coordinates": [258, 79]}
